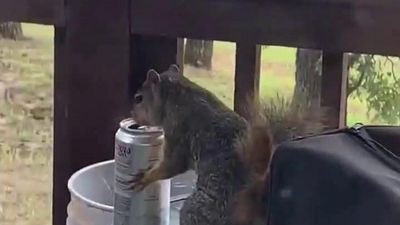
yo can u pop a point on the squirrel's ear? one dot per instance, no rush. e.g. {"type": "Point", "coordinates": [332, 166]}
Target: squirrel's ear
{"type": "Point", "coordinates": [174, 68]}
{"type": "Point", "coordinates": [152, 77]}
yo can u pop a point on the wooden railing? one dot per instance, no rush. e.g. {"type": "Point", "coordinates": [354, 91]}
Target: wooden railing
{"type": "Point", "coordinates": [103, 49]}
{"type": "Point", "coordinates": [338, 26]}
{"type": "Point", "coordinates": [33, 11]}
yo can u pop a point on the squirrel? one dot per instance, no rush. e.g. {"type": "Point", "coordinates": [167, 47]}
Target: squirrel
{"type": "Point", "coordinates": [203, 134]}
{"type": "Point", "coordinates": [271, 124]}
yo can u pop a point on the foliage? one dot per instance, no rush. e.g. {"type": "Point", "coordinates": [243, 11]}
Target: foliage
{"type": "Point", "coordinates": [375, 79]}
{"type": "Point", "coordinates": [372, 81]}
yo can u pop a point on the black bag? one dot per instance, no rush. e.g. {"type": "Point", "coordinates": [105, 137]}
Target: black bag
{"type": "Point", "coordinates": [342, 177]}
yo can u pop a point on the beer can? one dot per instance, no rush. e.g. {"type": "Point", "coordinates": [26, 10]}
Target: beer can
{"type": "Point", "coordinates": [138, 147]}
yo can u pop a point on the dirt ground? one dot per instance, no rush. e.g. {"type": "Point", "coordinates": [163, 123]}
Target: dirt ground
{"type": "Point", "coordinates": [26, 99]}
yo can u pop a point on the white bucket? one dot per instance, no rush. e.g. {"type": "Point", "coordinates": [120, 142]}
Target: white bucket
{"type": "Point", "coordinates": [92, 195]}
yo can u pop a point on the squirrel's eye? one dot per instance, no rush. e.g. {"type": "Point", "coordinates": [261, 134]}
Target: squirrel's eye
{"type": "Point", "coordinates": [138, 99]}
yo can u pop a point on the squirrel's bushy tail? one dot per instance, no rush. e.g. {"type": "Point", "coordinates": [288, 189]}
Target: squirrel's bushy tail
{"type": "Point", "coordinates": [254, 149]}
{"type": "Point", "coordinates": [255, 146]}
{"type": "Point", "coordinates": [287, 120]}
{"type": "Point", "coordinates": [271, 122]}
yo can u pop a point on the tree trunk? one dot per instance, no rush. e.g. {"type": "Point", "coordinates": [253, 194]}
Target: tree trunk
{"type": "Point", "coordinates": [191, 52]}
{"type": "Point", "coordinates": [207, 54]}
{"type": "Point", "coordinates": [11, 30]}
{"type": "Point", "coordinates": [198, 53]}
{"type": "Point", "coordinates": [308, 78]}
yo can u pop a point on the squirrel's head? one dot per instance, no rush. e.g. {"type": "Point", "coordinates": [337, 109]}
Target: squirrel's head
{"type": "Point", "coordinates": [147, 102]}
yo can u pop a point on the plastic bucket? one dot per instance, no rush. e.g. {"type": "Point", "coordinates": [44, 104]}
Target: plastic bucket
{"type": "Point", "coordinates": [92, 194]}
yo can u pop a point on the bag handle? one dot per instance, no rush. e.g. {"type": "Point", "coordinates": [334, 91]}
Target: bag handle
{"type": "Point", "coordinates": [359, 131]}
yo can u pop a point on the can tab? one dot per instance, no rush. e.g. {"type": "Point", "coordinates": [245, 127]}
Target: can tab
{"type": "Point", "coordinates": [356, 127]}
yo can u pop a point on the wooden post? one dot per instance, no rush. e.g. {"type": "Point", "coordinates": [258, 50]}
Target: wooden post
{"type": "Point", "coordinates": [334, 87]}
{"type": "Point", "coordinates": [150, 52]}
{"type": "Point", "coordinates": [50, 12]}
{"type": "Point", "coordinates": [180, 53]}
{"type": "Point", "coordinates": [91, 89]}
{"type": "Point", "coordinates": [247, 75]}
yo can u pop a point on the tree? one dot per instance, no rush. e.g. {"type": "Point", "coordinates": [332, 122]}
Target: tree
{"type": "Point", "coordinates": [308, 77]}
{"type": "Point", "coordinates": [373, 77]}
{"type": "Point", "coordinates": [199, 53]}
{"type": "Point", "coordinates": [11, 30]}
{"type": "Point", "coordinates": [376, 80]}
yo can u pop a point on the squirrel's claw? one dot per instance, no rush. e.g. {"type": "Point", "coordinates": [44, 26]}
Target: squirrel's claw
{"type": "Point", "coordinates": [139, 181]}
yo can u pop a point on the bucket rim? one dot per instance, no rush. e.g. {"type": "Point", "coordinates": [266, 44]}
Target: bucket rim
{"type": "Point", "coordinates": [81, 197]}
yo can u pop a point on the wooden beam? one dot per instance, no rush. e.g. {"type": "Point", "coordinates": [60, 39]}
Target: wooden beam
{"type": "Point", "coordinates": [61, 146]}
{"type": "Point", "coordinates": [334, 80]}
{"type": "Point", "coordinates": [373, 3]}
{"type": "Point", "coordinates": [359, 27]}
{"type": "Point", "coordinates": [50, 12]}
{"type": "Point", "coordinates": [150, 52]}
{"type": "Point", "coordinates": [180, 53]}
{"type": "Point", "coordinates": [247, 75]}
{"type": "Point", "coordinates": [91, 89]}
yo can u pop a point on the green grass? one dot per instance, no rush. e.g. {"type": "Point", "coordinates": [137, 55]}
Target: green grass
{"type": "Point", "coordinates": [269, 53]}
{"type": "Point", "coordinates": [39, 33]}
{"type": "Point", "coordinates": [26, 74]}
{"type": "Point", "coordinates": [277, 76]}
{"type": "Point", "coordinates": [283, 55]}
{"type": "Point", "coordinates": [277, 72]}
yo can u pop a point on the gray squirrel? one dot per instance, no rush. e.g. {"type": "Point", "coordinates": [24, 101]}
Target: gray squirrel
{"type": "Point", "coordinates": [202, 134]}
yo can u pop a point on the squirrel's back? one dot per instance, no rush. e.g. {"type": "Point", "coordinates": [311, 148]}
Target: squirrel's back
{"type": "Point", "coordinates": [209, 127]}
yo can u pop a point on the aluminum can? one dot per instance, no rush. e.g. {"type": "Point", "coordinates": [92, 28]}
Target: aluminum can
{"type": "Point", "coordinates": [138, 147]}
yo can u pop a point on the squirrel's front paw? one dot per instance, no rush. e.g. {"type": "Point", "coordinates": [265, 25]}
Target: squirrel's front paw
{"type": "Point", "coordinates": [140, 180]}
